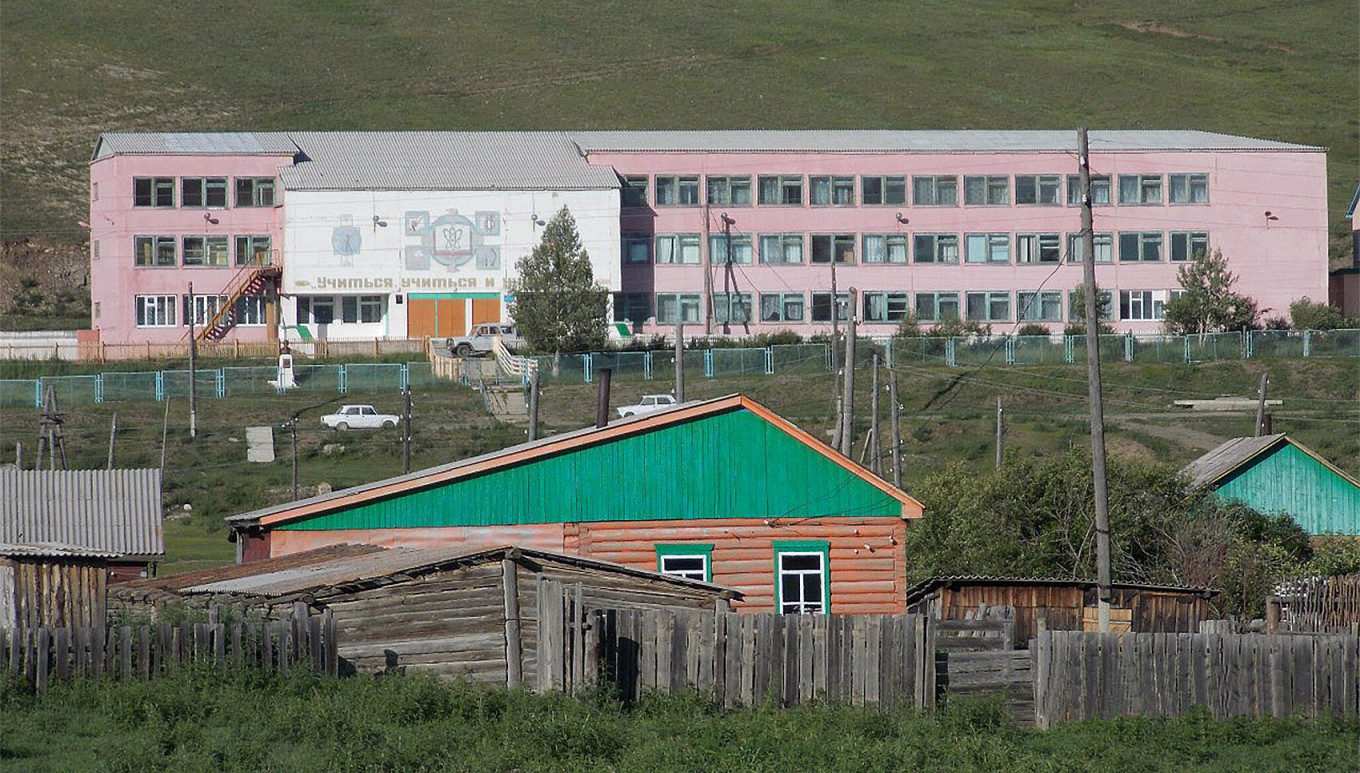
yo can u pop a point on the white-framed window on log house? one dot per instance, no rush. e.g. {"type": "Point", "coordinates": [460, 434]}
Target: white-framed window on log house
{"type": "Point", "coordinates": [802, 584]}
{"type": "Point", "coordinates": [690, 561]}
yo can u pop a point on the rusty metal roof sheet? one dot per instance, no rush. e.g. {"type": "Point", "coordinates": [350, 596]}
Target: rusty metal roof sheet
{"type": "Point", "coordinates": [81, 512]}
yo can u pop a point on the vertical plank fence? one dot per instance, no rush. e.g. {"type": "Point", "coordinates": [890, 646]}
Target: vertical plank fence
{"type": "Point", "coordinates": [1317, 604]}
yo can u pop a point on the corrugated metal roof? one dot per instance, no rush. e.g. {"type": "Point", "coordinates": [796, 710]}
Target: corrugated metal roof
{"type": "Point", "coordinates": [1227, 457]}
{"type": "Point", "coordinates": [928, 586]}
{"type": "Point", "coordinates": [194, 144]}
{"type": "Point", "coordinates": [96, 512]}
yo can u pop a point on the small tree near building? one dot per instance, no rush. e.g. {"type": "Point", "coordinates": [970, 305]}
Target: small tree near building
{"type": "Point", "coordinates": [558, 306]}
{"type": "Point", "coordinates": [1207, 303]}
{"type": "Point", "coordinates": [1076, 315]}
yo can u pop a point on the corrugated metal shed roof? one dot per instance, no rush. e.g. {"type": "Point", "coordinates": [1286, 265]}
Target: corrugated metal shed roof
{"type": "Point", "coordinates": [1227, 457]}
{"type": "Point", "coordinates": [82, 512]}
{"type": "Point", "coordinates": [926, 587]}
{"type": "Point", "coordinates": [194, 144]}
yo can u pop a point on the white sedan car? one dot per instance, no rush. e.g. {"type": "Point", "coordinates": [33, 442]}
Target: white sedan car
{"type": "Point", "coordinates": [359, 417]}
{"type": "Point", "coordinates": [647, 404]}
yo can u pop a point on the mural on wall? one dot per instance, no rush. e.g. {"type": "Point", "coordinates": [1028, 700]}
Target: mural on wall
{"type": "Point", "coordinates": [451, 241]}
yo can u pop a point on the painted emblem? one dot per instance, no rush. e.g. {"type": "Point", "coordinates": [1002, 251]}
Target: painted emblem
{"type": "Point", "coordinates": [345, 240]}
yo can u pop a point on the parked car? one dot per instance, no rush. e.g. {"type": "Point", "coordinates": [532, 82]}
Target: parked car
{"type": "Point", "coordinates": [647, 404]}
{"type": "Point", "coordinates": [359, 417]}
{"type": "Point", "coordinates": [482, 339]}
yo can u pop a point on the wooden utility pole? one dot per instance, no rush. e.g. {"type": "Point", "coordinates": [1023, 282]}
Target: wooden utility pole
{"type": "Point", "coordinates": [113, 436]}
{"type": "Point", "coordinates": [19, 455]}
{"type": "Point", "coordinates": [836, 356]}
{"type": "Point", "coordinates": [291, 426]}
{"type": "Point", "coordinates": [1102, 502]}
{"type": "Point", "coordinates": [1261, 406]}
{"type": "Point", "coordinates": [406, 432]}
{"type": "Point", "coordinates": [999, 432]}
{"type": "Point", "coordinates": [876, 459]}
{"type": "Point", "coordinates": [533, 403]}
{"type": "Point", "coordinates": [679, 362]}
{"type": "Point", "coordinates": [848, 391]}
{"type": "Point", "coordinates": [165, 431]}
{"type": "Point", "coordinates": [193, 367]}
{"type": "Point", "coordinates": [602, 400]}
{"type": "Point", "coordinates": [707, 259]}
{"type": "Point", "coordinates": [896, 433]}
{"type": "Point", "coordinates": [50, 433]}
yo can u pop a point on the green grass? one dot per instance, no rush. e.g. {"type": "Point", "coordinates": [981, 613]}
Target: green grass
{"type": "Point", "coordinates": [74, 68]}
{"type": "Point", "coordinates": [248, 721]}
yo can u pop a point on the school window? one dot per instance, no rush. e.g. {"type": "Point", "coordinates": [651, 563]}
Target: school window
{"type": "Point", "coordinates": [782, 307]}
{"type": "Point", "coordinates": [884, 190]}
{"type": "Point", "coordinates": [634, 190]}
{"type": "Point", "coordinates": [841, 247]}
{"type": "Point", "coordinates": [781, 248]}
{"type": "Point", "coordinates": [988, 248]}
{"type": "Point", "coordinates": [781, 190]}
{"type": "Point", "coordinates": [1104, 244]}
{"type": "Point", "coordinates": [250, 311]}
{"type": "Point", "coordinates": [205, 251]}
{"type": "Point", "coordinates": [254, 250]}
{"type": "Point", "coordinates": [732, 307]}
{"type": "Point", "coordinates": [316, 309]}
{"type": "Point", "coordinates": [361, 308]}
{"type": "Point", "coordinates": [937, 307]}
{"type": "Point", "coordinates": [677, 307]}
{"type": "Point", "coordinates": [1104, 304]}
{"type": "Point", "coordinates": [1140, 189]}
{"type": "Point", "coordinates": [254, 191]}
{"type": "Point", "coordinates": [886, 307]}
{"type": "Point", "coordinates": [155, 251]}
{"type": "Point", "coordinates": [1041, 189]}
{"type": "Point", "coordinates": [1038, 248]}
{"type": "Point", "coordinates": [988, 307]}
{"type": "Point", "coordinates": [349, 309]}
{"type": "Point", "coordinates": [936, 248]}
{"type": "Point", "coordinates": [156, 310]}
{"type": "Point", "coordinates": [632, 307]}
{"type": "Point", "coordinates": [1142, 305]}
{"type": "Point", "coordinates": [1188, 188]}
{"type": "Point", "coordinates": [831, 191]}
{"type": "Point", "coordinates": [677, 190]}
{"type": "Point", "coordinates": [153, 192]}
{"type": "Point", "coordinates": [692, 562]}
{"type": "Point", "coordinates": [935, 191]}
{"type": "Point", "coordinates": [202, 308]}
{"type": "Point", "coordinates": [1140, 247]}
{"type": "Point", "coordinates": [94, 249]}
{"type": "Point", "coordinates": [991, 190]}
{"type": "Point", "coordinates": [1187, 245]}
{"type": "Point", "coordinates": [735, 248]}
{"type": "Point", "coordinates": [210, 192]}
{"type": "Point", "coordinates": [802, 576]}
{"type": "Point", "coordinates": [821, 307]}
{"type": "Point", "coordinates": [885, 248]}
{"type": "Point", "coordinates": [677, 248]}
{"type": "Point", "coordinates": [1100, 190]}
{"type": "Point", "coordinates": [1045, 306]}
{"type": "Point", "coordinates": [729, 191]}
{"type": "Point", "coordinates": [94, 191]}
{"type": "Point", "coordinates": [637, 248]}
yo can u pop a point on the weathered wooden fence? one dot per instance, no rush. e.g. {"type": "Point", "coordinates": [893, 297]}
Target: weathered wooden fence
{"type": "Point", "coordinates": [1079, 675]}
{"type": "Point", "coordinates": [38, 655]}
{"type": "Point", "coordinates": [1317, 604]}
{"type": "Point", "coordinates": [1006, 674]}
{"type": "Point", "coordinates": [747, 660]}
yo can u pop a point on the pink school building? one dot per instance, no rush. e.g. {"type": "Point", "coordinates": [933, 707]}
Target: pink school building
{"type": "Point", "coordinates": [347, 235]}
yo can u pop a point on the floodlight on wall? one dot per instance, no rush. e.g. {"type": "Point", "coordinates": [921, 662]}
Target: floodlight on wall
{"type": "Point", "coordinates": [727, 219]}
{"type": "Point", "coordinates": [537, 220]}
{"type": "Point", "coordinates": [1270, 216]}
{"type": "Point", "coordinates": [900, 218]}
{"type": "Point", "coordinates": [208, 218]}
{"type": "Point", "coordinates": [378, 222]}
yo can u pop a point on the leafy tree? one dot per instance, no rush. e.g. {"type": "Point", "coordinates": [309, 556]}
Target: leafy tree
{"type": "Point", "coordinates": [1207, 303]}
{"type": "Point", "coordinates": [1077, 311]}
{"type": "Point", "coordinates": [558, 306]}
{"type": "Point", "coordinates": [1306, 315]}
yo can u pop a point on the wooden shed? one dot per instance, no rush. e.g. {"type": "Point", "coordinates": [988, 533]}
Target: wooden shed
{"type": "Point", "coordinates": [1066, 605]}
{"type": "Point", "coordinates": [448, 612]}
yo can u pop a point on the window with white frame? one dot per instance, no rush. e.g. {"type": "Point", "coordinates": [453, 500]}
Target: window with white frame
{"type": "Point", "coordinates": [632, 307]}
{"type": "Point", "coordinates": [691, 562]}
{"type": "Point", "coordinates": [988, 248]}
{"type": "Point", "coordinates": [1076, 299]}
{"type": "Point", "coordinates": [935, 190]}
{"type": "Point", "coordinates": [937, 307]}
{"type": "Point", "coordinates": [678, 307]}
{"type": "Point", "coordinates": [637, 248]}
{"type": "Point", "coordinates": [1140, 247]}
{"type": "Point", "coordinates": [781, 248]}
{"type": "Point", "coordinates": [208, 192]}
{"type": "Point", "coordinates": [936, 248]}
{"type": "Point", "coordinates": [315, 309]}
{"type": "Point", "coordinates": [1104, 247]}
{"type": "Point", "coordinates": [729, 191]}
{"type": "Point", "coordinates": [1187, 188]}
{"type": "Point", "coordinates": [1038, 248]}
{"type": "Point", "coordinates": [634, 190]}
{"type": "Point", "coordinates": [1140, 189]}
{"type": "Point", "coordinates": [827, 190]}
{"type": "Point", "coordinates": [1100, 190]}
{"type": "Point", "coordinates": [988, 190]}
{"type": "Point", "coordinates": [734, 308]}
{"type": "Point", "coordinates": [782, 307]}
{"type": "Point", "coordinates": [1187, 245]}
{"type": "Point", "coordinates": [251, 311]}
{"type": "Point", "coordinates": [1039, 305]}
{"type": "Point", "coordinates": [840, 247]}
{"type": "Point", "coordinates": [781, 190]}
{"type": "Point", "coordinates": [885, 306]}
{"type": "Point", "coordinates": [730, 248]}
{"type": "Point", "coordinates": [677, 190]}
{"type": "Point", "coordinates": [677, 248]}
{"type": "Point", "coordinates": [803, 577]}
{"type": "Point", "coordinates": [885, 248]}
{"type": "Point", "coordinates": [205, 251]}
{"type": "Point", "coordinates": [254, 250]}
{"type": "Point", "coordinates": [156, 310]}
{"type": "Point", "coordinates": [1142, 305]}
{"type": "Point", "coordinates": [153, 192]}
{"type": "Point", "coordinates": [883, 190]}
{"type": "Point", "coordinates": [988, 307]}
{"type": "Point", "coordinates": [254, 191]}
{"type": "Point", "coordinates": [202, 308]}
{"type": "Point", "coordinates": [821, 307]}
{"type": "Point", "coordinates": [154, 251]}
{"type": "Point", "coordinates": [1039, 189]}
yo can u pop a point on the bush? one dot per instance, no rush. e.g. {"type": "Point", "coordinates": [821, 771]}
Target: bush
{"type": "Point", "coordinates": [1032, 329]}
{"type": "Point", "coordinates": [1306, 315]}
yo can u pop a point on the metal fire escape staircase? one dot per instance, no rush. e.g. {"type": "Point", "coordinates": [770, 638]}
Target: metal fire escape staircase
{"type": "Point", "coordinates": [251, 279]}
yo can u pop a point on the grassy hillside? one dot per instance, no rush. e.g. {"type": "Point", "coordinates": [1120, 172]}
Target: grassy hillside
{"type": "Point", "coordinates": [73, 68]}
